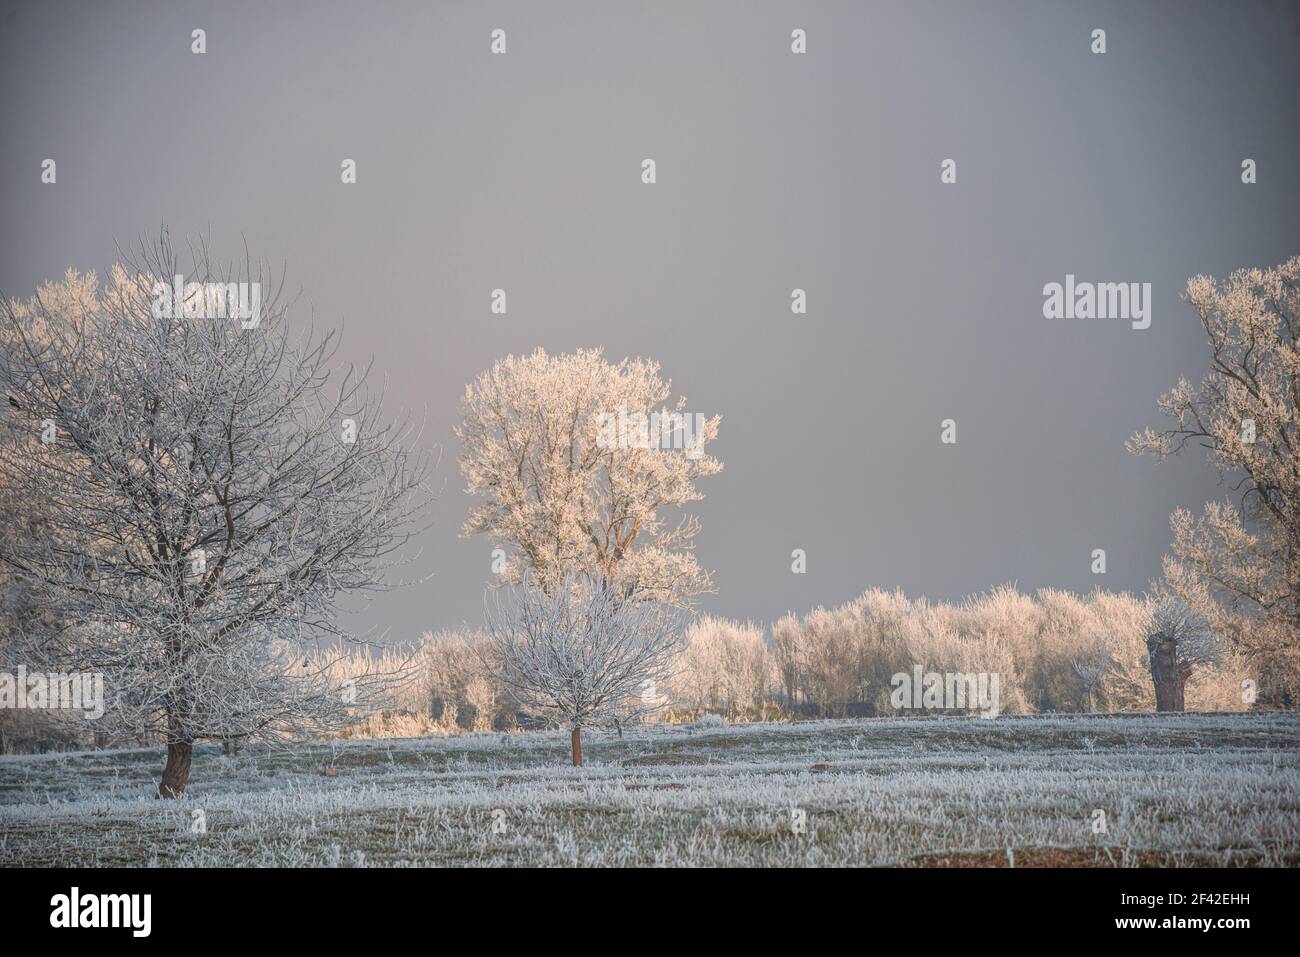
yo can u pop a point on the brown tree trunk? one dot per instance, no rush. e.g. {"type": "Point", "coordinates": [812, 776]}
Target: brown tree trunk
{"type": "Point", "coordinates": [1168, 676]}
{"type": "Point", "coordinates": [576, 739]}
{"type": "Point", "coordinates": [176, 774]}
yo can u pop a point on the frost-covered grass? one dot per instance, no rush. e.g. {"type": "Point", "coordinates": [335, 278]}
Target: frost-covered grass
{"type": "Point", "coordinates": [1184, 790]}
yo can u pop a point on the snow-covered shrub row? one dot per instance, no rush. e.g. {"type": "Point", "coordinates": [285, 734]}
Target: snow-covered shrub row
{"type": "Point", "coordinates": [1053, 651]}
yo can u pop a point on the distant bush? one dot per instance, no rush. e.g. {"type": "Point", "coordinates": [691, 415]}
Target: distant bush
{"type": "Point", "coordinates": [33, 732]}
{"type": "Point", "coordinates": [393, 723]}
{"type": "Point", "coordinates": [445, 690]}
{"type": "Point", "coordinates": [726, 668]}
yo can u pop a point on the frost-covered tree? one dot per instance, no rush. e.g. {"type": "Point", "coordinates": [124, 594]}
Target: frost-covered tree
{"type": "Point", "coordinates": [725, 666]}
{"type": "Point", "coordinates": [830, 657]}
{"type": "Point", "coordinates": [1090, 667]}
{"type": "Point", "coordinates": [211, 487]}
{"type": "Point", "coordinates": [1238, 564]}
{"type": "Point", "coordinates": [576, 478]}
{"type": "Point", "coordinates": [1178, 642]}
{"type": "Point", "coordinates": [580, 653]}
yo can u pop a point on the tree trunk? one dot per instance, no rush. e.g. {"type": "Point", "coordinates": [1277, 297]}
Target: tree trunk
{"type": "Point", "coordinates": [576, 739]}
{"type": "Point", "coordinates": [1168, 676]}
{"type": "Point", "coordinates": [176, 774]}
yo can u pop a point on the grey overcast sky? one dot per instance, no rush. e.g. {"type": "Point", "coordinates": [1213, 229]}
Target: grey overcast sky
{"type": "Point", "coordinates": [775, 171]}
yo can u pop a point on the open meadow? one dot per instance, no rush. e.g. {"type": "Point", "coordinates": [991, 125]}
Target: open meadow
{"type": "Point", "coordinates": [1175, 790]}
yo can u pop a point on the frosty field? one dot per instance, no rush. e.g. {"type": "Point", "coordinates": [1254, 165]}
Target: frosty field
{"type": "Point", "coordinates": [1186, 790]}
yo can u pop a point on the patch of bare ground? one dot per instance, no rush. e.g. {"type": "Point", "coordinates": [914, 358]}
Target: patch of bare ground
{"type": "Point", "coordinates": [1064, 857]}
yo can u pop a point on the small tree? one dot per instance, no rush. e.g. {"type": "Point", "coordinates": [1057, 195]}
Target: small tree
{"type": "Point", "coordinates": [580, 653]}
{"type": "Point", "coordinates": [210, 491]}
{"type": "Point", "coordinates": [1178, 641]}
{"type": "Point", "coordinates": [1090, 666]}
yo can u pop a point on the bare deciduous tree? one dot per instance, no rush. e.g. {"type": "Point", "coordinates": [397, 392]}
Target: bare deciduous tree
{"type": "Point", "coordinates": [1090, 668]}
{"type": "Point", "coordinates": [580, 653]}
{"type": "Point", "coordinates": [212, 489]}
{"type": "Point", "coordinates": [570, 487]}
{"type": "Point", "coordinates": [1238, 564]}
